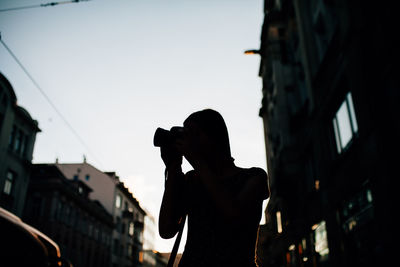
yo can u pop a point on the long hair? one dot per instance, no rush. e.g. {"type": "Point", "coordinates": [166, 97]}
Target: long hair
{"type": "Point", "coordinates": [213, 124]}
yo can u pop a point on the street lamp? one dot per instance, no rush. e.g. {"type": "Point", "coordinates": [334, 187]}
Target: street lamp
{"type": "Point", "coordinates": [252, 52]}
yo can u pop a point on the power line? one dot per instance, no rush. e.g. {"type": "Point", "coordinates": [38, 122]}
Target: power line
{"type": "Point", "coordinates": [43, 5]}
{"type": "Point", "coordinates": [49, 101]}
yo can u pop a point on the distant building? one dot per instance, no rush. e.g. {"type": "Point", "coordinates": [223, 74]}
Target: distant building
{"type": "Point", "coordinates": [61, 208]}
{"type": "Point", "coordinates": [102, 184]}
{"type": "Point", "coordinates": [128, 237]}
{"type": "Point", "coordinates": [152, 258]}
{"type": "Point", "coordinates": [149, 232]}
{"type": "Point", "coordinates": [330, 112]}
{"type": "Point", "coordinates": [128, 216]}
{"type": "Point", "coordinates": [17, 138]}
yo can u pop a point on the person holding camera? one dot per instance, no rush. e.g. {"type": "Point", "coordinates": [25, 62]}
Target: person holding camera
{"type": "Point", "coordinates": [223, 202]}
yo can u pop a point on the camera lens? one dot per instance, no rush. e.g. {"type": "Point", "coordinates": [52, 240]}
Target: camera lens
{"type": "Point", "coordinates": [161, 137]}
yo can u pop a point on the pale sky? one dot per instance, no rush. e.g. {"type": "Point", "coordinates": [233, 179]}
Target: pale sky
{"type": "Point", "coordinates": [118, 69]}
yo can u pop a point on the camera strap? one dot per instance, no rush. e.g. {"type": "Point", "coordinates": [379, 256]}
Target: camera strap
{"type": "Point", "coordinates": [175, 248]}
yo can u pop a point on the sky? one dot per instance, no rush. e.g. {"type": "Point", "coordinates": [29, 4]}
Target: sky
{"type": "Point", "coordinates": [118, 69]}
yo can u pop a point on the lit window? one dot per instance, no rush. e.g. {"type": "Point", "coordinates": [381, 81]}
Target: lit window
{"type": "Point", "coordinates": [131, 228]}
{"type": "Point", "coordinates": [321, 240]}
{"type": "Point", "coordinates": [8, 185]}
{"type": "Point", "coordinates": [118, 201]}
{"type": "Point", "coordinates": [279, 221]}
{"type": "Point", "coordinates": [345, 124]}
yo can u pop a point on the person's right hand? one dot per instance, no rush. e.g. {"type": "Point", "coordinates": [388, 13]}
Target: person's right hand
{"type": "Point", "coordinates": [171, 156]}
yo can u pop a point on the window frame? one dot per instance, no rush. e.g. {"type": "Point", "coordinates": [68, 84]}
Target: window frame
{"type": "Point", "coordinates": [9, 183]}
{"type": "Point", "coordinates": [352, 118]}
{"type": "Point", "coordinates": [118, 201]}
{"type": "Point", "coordinates": [131, 230]}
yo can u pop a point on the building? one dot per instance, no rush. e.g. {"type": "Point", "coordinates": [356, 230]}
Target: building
{"type": "Point", "coordinates": [149, 232]}
{"type": "Point", "coordinates": [152, 258]}
{"type": "Point", "coordinates": [61, 208]}
{"type": "Point", "coordinates": [128, 216]}
{"type": "Point", "coordinates": [102, 184]}
{"type": "Point", "coordinates": [128, 237]}
{"type": "Point", "coordinates": [330, 94]}
{"type": "Point", "coordinates": [17, 138]}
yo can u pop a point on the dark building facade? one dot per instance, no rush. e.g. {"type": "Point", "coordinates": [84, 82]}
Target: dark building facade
{"type": "Point", "coordinates": [61, 209]}
{"type": "Point", "coordinates": [17, 138]}
{"type": "Point", "coordinates": [128, 234]}
{"type": "Point", "coordinates": [329, 107]}
{"type": "Point", "coordinates": [114, 196]}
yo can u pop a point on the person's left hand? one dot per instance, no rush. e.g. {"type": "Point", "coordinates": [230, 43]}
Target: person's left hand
{"type": "Point", "coordinates": [192, 147]}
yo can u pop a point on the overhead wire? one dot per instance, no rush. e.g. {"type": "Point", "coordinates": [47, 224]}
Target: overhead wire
{"type": "Point", "coordinates": [50, 102]}
{"type": "Point", "coordinates": [43, 5]}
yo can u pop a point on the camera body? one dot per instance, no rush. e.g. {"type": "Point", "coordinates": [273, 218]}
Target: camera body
{"type": "Point", "coordinates": [164, 137]}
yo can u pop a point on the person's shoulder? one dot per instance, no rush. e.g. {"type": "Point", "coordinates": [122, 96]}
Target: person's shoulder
{"type": "Point", "coordinates": [190, 174]}
{"type": "Point", "coordinates": [190, 177]}
{"type": "Point", "coordinates": [257, 172]}
{"type": "Point", "coordinates": [254, 175]}
{"type": "Point", "coordinates": [258, 178]}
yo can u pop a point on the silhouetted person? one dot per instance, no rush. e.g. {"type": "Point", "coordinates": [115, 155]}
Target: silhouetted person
{"type": "Point", "coordinates": [223, 202]}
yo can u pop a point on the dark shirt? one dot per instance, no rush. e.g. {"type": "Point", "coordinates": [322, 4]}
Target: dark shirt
{"type": "Point", "coordinates": [211, 239]}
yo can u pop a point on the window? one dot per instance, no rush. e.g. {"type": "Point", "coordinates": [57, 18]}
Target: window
{"type": "Point", "coordinates": [12, 137]}
{"type": "Point", "coordinates": [130, 250]}
{"type": "Point", "coordinates": [17, 141]}
{"type": "Point", "coordinates": [118, 224]}
{"type": "Point", "coordinates": [118, 201]}
{"type": "Point", "coordinates": [96, 233]}
{"type": "Point", "coordinates": [123, 228]}
{"type": "Point", "coordinates": [36, 210]}
{"type": "Point", "coordinates": [140, 236]}
{"type": "Point", "coordinates": [24, 145]}
{"type": "Point", "coordinates": [345, 124]}
{"type": "Point", "coordinates": [87, 177]}
{"type": "Point", "coordinates": [279, 222]}
{"type": "Point", "coordinates": [9, 183]}
{"type": "Point", "coordinates": [321, 240]}
{"type": "Point", "coordinates": [131, 228]}
{"type": "Point", "coordinates": [324, 21]}
{"type": "Point", "coordinates": [116, 246]}
{"type": "Point", "coordinates": [90, 229]}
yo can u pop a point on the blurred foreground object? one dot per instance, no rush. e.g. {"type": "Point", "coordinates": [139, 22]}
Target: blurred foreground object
{"type": "Point", "coordinates": [23, 245]}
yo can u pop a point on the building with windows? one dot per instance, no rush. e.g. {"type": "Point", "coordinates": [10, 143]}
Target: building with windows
{"type": "Point", "coordinates": [128, 216]}
{"type": "Point", "coordinates": [152, 258]}
{"type": "Point", "coordinates": [330, 94]}
{"type": "Point", "coordinates": [61, 208]}
{"type": "Point", "coordinates": [103, 185]}
{"type": "Point", "coordinates": [150, 232]}
{"type": "Point", "coordinates": [128, 237]}
{"type": "Point", "coordinates": [17, 138]}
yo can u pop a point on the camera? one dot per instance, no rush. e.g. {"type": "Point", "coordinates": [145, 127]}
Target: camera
{"type": "Point", "coordinates": [164, 137]}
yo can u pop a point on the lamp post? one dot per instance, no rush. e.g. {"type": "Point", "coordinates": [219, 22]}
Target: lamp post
{"type": "Point", "coordinates": [252, 52]}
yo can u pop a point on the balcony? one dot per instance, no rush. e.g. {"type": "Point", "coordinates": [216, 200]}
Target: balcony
{"type": "Point", "coordinates": [126, 214]}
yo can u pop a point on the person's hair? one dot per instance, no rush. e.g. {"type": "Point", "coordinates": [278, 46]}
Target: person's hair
{"type": "Point", "coordinates": [213, 125]}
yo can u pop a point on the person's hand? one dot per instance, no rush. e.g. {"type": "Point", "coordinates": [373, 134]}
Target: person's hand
{"type": "Point", "coordinates": [191, 147]}
{"type": "Point", "coordinates": [171, 156]}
